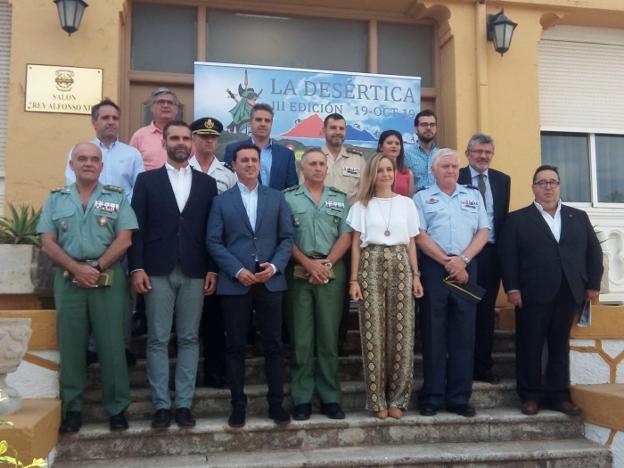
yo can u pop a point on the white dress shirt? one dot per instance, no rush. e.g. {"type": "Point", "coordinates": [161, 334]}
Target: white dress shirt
{"type": "Point", "coordinates": [553, 223]}
{"type": "Point", "coordinates": [180, 180]}
{"type": "Point", "coordinates": [250, 201]}
{"type": "Point", "coordinates": [226, 179]}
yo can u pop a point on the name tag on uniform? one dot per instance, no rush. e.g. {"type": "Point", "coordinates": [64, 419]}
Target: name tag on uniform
{"type": "Point", "coordinates": [472, 204]}
{"type": "Point", "coordinates": [351, 171]}
{"type": "Point", "coordinates": [334, 204]}
{"type": "Point", "coordinates": [108, 207]}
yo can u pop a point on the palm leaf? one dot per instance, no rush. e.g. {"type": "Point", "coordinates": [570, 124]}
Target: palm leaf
{"type": "Point", "coordinates": [21, 226]}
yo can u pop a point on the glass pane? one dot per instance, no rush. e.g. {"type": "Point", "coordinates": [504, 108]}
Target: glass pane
{"type": "Point", "coordinates": [164, 38]}
{"type": "Point", "coordinates": [395, 39]}
{"type": "Point", "coordinates": [570, 153]}
{"type": "Point", "coordinates": [610, 168]}
{"type": "Point", "coordinates": [287, 42]}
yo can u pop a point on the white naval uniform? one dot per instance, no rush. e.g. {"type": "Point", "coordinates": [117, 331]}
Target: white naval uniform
{"type": "Point", "coordinates": [226, 178]}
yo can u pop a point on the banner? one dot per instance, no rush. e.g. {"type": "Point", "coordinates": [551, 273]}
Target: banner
{"type": "Point", "coordinates": [301, 99]}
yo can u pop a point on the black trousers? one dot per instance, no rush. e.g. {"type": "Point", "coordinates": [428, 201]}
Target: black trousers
{"type": "Point", "coordinates": [346, 303]}
{"type": "Point", "coordinates": [488, 277]}
{"type": "Point", "coordinates": [537, 324]}
{"type": "Point", "coordinates": [447, 324]}
{"type": "Point", "coordinates": [213, 337]}
{"type": "Point", "coordinates": [237, 311]}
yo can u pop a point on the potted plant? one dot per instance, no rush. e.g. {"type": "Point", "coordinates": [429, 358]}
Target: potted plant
{"type": "Point", "coordinates": [25, 270]}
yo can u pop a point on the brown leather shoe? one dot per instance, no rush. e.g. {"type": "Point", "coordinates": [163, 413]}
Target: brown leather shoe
{"type": "Point", "coordinates": [530, 407]}
{"type": "Point", "coordinates": [569, 408]}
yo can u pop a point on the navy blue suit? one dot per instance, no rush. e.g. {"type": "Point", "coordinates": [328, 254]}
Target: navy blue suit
{"type": "Point", "coordinates": [234, 245]}
{"type": "Point", "coordinates": [488, 270]}
{"type": "Point", "coordinates": [283, 167]}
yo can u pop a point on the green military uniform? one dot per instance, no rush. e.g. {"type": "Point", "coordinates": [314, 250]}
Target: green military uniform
{"type": "Point", "coordinates": [86, 233]}
{"type": "Point", "coordinates": [314, 310]}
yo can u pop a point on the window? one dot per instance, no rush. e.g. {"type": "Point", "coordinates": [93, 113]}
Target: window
{"type": "Point", "coordinates": [406, 49]}
{"type": "Point", "coordinates": [591, 165]}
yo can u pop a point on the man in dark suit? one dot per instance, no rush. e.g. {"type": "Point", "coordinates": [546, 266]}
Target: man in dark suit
{"type": "Point", "coordinates": [169, 263]}
{"type": "Point", "coordinates": [277, 162]}
{"type": "Point", "coordinates": [250, 237]}
{"type": "Point", "coordinates": [551, 263]}
{"type": "Point", "coordinates": [495, 188]}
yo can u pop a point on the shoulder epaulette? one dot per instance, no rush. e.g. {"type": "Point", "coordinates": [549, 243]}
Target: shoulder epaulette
{"type": "Point", "coordinates": [471, 186]}
{"type": "Point", "coordinates": [290, 189]}
{"type": "Point", "coordinates": [114, 188]}
{"type": "Point", "coordinates": [228, 166]}
{"type": "Point", "coordinates": [420, 189]}
{"type": "Point", "coordinates": [355, 151]}
{"type": "Point", "coordinates": [64, 188]}
{"type": "Point", "coordinates": [337, 190]}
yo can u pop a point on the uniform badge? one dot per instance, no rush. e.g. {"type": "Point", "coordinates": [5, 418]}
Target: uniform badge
{"type": "Point", "coordinates": [334, 204]}
{"type": "Point", "coordinates": [63, 226]}
{"type": "Point", "coordinates": [351, 171]}
{"type": "Point", "coordinates": [108, 207]}
{"type": "Point", "coordinates": [296, 221]}
{"type": "Point", "coordinates": [102, 220]}
{"type": "Point", "coordinates": [432, 201]}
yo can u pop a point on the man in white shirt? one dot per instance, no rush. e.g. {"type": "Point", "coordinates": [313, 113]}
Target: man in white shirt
{"type": "Point", "coordinates": [551, 262]}
{"type": "Point", "coordinates": [170, 265]}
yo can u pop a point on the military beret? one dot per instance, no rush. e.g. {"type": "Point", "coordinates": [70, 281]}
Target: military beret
{"type": "Point", "coordinates": [207, 126]}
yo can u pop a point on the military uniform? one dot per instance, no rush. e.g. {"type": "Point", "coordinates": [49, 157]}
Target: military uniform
{"type": "Point", "coordinates": [219, 171]}
{"type": "Point", "coordinates": [314, 310]}
{"type": "Point", "coordinates": [447, 320]}
{"type": "Point", "coordinates": [86, 233]}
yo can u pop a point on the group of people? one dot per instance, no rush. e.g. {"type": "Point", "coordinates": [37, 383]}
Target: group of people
{"type": "Point", "coordinates": [212, 242]}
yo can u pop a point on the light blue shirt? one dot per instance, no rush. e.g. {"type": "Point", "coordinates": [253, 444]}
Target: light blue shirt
{"type": "Point", "coordinates": [489, 199]}
{"type": "Point", "coordinates": [451, 221]}
{"type": "Point", "coordinates": [250, 201]}
{"type": "Point", "coordinates": [266, 162]}
{"type": "Point", "coordinates": [419, 161]}
{"type": "Point", "coordinates": [122, 164]}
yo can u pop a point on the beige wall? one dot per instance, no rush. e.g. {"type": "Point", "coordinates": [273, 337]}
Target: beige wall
{"type": "Point", "coordinates": [478, 89]}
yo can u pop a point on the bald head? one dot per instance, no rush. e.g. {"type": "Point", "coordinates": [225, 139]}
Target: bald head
{"type": "Point", "coordinates": [86, 162]}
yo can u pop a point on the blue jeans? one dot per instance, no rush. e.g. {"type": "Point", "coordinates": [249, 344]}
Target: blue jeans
{"type": "Point", "coordinates": [185, 295]}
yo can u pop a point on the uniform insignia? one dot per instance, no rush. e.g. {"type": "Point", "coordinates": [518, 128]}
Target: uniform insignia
{"type": "Point", "coordinates": [337, 191]}
{"type": "Point", "coordinates": [420, 189]}
{"type": "Point", "coordinates": [102, 220]}
{"type": "Point", "coordinates": [471, 186]}
{"type": "Point", "coordinates": [296, 221]}
{"type": "Point", "coordinates": [334, 204]}
{"type": "Point", "coordinates": [355, 151]}
{"type": "Point", "coordinates": [351, 170]}
{"type": "Point", "coordinates": [432, 201]}
{"type": "Point", "coordinates": [64, 188]}
{"type": "Point", "coordinates": [108, 207]}
{"type": "Point", "coordinates": [209, 123]}
{"type": "Point", "coordinates": [469, 203]}
{"type": "Point", "coordinates": [228, 166]}
{"type": "Point", "coordinates": [63, 226]}
{"type": "Point", "coordinates": [290, 189]}
{"type": "Point", "coordinates": [113, 188]}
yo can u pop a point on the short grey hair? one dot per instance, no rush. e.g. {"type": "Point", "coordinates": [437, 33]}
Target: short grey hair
{"type": "Point", "coordinates": [441, 153]}
{"type": "Point", "coordinates": [162, 90]}
{"type": "Point", "coordinates": [480, 138]}
{"type": "Point", "coordinates": [314, 149]}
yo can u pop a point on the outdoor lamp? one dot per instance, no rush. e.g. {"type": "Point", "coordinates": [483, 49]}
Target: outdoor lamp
{"type": "Point", "coordinates": [499, 31]}
{"type": "Point", "coordinates": [70, 14]}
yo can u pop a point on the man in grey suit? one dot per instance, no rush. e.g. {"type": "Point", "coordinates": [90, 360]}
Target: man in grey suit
{"type": "Point", "coordinates": [250, 237]}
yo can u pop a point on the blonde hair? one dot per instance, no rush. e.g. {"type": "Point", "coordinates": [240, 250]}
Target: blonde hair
{"type": "Point", "coordinates": [367, 180]}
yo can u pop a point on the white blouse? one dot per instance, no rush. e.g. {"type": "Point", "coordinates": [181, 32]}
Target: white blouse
{"type": "Point", "coordinates": [385, 221]}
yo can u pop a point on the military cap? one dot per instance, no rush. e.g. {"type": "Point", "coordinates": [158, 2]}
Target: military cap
{"type": "Point", "coordinates": [206, 126]}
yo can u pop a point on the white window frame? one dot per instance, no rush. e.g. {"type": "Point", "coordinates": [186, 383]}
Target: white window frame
{"type": "Point", "coordinates": [593, 173]}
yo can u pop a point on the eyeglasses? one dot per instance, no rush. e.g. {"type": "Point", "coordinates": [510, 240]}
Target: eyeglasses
{"type": "Point", "coordinates": [163, 102]}
{"type": "Point", "coordinates": [485, 152]}
{"type": "Point", "coordinates": [547, 183]}
{"type": "Point", "coordinates": [428, 125]}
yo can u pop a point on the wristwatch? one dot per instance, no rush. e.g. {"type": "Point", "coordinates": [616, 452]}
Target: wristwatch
{"type": "Point", "coordinates": [465, 259]}
{"type": "Point", "coordinates": [94, 264]}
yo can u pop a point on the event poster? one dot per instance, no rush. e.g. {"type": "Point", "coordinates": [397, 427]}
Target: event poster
{"type": "Point", "coordinates": [301, 99]}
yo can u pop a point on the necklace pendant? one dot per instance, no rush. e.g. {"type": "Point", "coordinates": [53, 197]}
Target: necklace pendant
{"type": "Point", "coordinates": [387, 233]}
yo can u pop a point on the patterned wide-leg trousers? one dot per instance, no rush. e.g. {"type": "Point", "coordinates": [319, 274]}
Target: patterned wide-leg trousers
{"type": "Point", "coordinates": [387, 326]}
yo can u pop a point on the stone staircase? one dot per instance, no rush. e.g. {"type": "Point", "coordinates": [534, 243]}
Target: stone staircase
{"type": "Point", "coordinates": [498, 436]}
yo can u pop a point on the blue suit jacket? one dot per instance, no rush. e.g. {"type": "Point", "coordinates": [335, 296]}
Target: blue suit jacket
{"type": "Point", "coordinates": [233, 244]}
{"type": "Point", "coordinates": [283, 167]}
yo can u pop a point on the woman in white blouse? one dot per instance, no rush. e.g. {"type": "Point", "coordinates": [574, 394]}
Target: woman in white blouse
{"type": "Point", "coordinates": [385, 276]}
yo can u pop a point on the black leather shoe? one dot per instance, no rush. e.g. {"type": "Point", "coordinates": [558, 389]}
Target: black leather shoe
{"type": "Point", "coordinates": [215, 381]}
{"type": "Point", "coordinates": [302, 412]}
{"type": "Point", "coordinates": [184, 417]}
{"type": "Point", "coordinates": [118, 422]}
{"type": "Point", "coordinates": [487, 376]}
{"type": "Point", "coordinates": [567, 407]}
{"type": "Point", "coordinates": [237, 417]}
{"type": "Point", "coordinates": [428, 410]}
{"type": "Point", "coordinates": [279, 415]}
{"type": "Point", "coordinates": [72, 422]}
{"type": "Point", "coordinates": [161, 419]}
{"type": "Point", "coordinates": [332, 410]}
{"type": "Point", "coordinates": [466, 411]}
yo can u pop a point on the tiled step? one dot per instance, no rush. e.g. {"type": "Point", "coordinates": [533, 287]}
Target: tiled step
{"type": "Point", "coordinates": [212, 402]}
{"type": "Point", "coordinates": [567, 453]}
{"type": "Point", "coordinates": [212, 435]}
{"type": "Point", "coordinates": [350, 369]}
